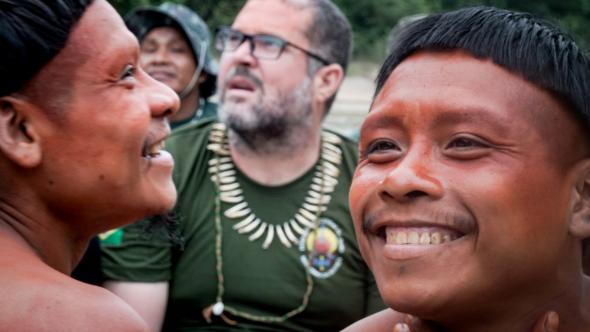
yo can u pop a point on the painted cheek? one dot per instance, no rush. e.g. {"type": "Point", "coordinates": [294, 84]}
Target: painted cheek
{"type": "Point", "coordinates": [364, 183]}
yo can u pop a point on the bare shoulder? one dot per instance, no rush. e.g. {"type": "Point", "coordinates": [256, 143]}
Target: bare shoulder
{"type": "Point", "coordinates": [382, 321]}
{"type": "Point", "coordinates": [50, 301]}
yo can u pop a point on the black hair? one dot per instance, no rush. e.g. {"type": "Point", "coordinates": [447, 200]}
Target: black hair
{"type": "Point", "coordinates": [525, 45]}
{"type": "Point", "coordinates": [32, 33]}
{"type": "Point", "coordinates": [330, 35]}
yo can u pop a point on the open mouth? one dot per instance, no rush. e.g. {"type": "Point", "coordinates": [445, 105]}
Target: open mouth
{"type": "Point", "coordinates": [426, 236]}
{"type": "Point", "coordinates": [241, 84]}
{"type": "Point", "coordinates": [152, 150]}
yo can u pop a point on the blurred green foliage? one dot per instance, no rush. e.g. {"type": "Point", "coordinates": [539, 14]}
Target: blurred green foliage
{"type": "Point", "coordinates": [372, 20]}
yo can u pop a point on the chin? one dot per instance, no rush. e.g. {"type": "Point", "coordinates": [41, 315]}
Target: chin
{"type": "Point", "coordinates": [161, 202]}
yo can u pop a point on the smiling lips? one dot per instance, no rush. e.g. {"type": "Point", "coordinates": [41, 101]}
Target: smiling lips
{"type": "Point", "coordinates": [162, 75]}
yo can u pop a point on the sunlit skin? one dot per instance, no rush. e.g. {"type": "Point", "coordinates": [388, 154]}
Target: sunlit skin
{"type": "Point", "coordinates": [116, 113]}
{"type": "Point", "coordinates": [93, 165]}
{"type": "Point", "coordinates": [461, 146]}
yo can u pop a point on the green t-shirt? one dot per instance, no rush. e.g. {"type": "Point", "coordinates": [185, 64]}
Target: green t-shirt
{"type": "Point", "coordinates": [268, 282]}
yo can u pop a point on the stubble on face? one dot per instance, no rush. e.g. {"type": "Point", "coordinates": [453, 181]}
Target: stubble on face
{"type": "Point", "coordinates": [273, 122]}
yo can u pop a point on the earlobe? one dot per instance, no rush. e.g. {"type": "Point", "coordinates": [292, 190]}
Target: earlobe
{"type": "Point", "coordinates": [19, 141]}
{"type": "Point", "coordinates": [327, 81]}
{"type": "Point", "coordinates": [580, 222]}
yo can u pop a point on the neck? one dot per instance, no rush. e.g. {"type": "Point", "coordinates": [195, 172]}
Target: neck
{"type": "Point", "coordinates": [43, 237]}
{"type": "Point", "coordinates": [278, 161]}
{"type": "Point", "coordinates": [188, 107]}
{"type": "Point", "coordinates": [571, 300]}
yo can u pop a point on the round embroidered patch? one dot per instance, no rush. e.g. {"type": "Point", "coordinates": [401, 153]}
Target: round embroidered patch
{"type": "Point", "coordinates": [322, 248]}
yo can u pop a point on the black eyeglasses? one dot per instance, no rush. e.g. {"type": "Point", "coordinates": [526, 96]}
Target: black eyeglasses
{"type": "Point", "coordinates": [262, 46]}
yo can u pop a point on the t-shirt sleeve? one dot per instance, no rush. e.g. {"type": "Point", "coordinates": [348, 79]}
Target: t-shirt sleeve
{"type": "Point", "coordinates": [140, 252]}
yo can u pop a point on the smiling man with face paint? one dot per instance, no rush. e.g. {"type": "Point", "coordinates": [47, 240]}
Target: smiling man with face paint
{"type": "Point", "coordinates": [471, 200]}
{"type": "Point", "coordinates": [81, 128]}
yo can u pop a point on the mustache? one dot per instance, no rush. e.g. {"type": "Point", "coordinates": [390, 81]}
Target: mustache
{"type": "Point", "coordinates": [244, 72]}
{"type": "Point", "coordinates": [461, 221]}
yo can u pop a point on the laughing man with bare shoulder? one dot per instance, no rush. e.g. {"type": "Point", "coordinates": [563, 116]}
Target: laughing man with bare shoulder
{"type": "Point", "coordinates": [80, 133]}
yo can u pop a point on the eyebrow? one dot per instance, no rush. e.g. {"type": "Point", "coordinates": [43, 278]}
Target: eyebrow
{"type": "Point", "coordinates": [469, 115]}
{"type": "Point", "coordinates": [472, 115]}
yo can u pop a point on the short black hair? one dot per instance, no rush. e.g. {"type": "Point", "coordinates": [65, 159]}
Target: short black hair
{"type": "Point", "coordinates": [330, 35]}
{"type": "Point", "coordinates": [32, 33]}
{"type": "Point", "coordinates": [532, 48]}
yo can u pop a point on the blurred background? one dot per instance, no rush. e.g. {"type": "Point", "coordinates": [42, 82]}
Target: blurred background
{"type": "Point", "coordinates": [372, 21]}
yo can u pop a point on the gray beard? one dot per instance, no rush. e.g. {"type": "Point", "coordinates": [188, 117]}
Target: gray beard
{"type": "Point", "coordinates": [274, 132]}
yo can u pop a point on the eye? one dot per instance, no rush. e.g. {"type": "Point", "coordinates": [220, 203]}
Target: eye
{"type": "Point", "coordinates": [148, 47]}
{"type": "Point", "coordinates": [179, 48]}
{"type": "Point", "coordinates": [381, 146]}
{"type": "Point", "coordinates": [234, 39]}
{"type": "Point", "coordinates": [128, 75]}
{"type": "Point", "coordinates": [382, 150]}
{"type": "Point", "coordinates": [467, 147]}
{"type": "Point", "coordinates": [264, 42]}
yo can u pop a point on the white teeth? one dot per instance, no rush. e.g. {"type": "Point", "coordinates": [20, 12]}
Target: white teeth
{"type": "Point", "coordinates": [397, 237]}
{"type": "Point", "coordinates": [154, 150]}
{"type": "Point", "coordinates": [401, 238]}
{"type": "Point", "coordinates": [425, 238]}
{"type": "Point", "coordinates": [435, 238]}
{"type": "Point", "coordinates": [413, 238]}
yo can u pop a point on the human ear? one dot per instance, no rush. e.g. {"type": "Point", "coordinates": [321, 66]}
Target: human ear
{"type": "Point", "coordinates": [580, 221]}
{"type": "Point", "coordinates": [327, 81]}
{"type": "Point", "coordinates": [19, 140]}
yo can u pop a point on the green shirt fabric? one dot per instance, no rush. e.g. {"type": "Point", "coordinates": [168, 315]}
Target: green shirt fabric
{"type": "Point", "coordinates": [268, 282]}
{"type": "Point", "coordinates": [206, 111]}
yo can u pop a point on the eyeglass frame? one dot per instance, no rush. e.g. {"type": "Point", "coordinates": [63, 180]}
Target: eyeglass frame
{"type": "Point", "coordinates": [251, 38]}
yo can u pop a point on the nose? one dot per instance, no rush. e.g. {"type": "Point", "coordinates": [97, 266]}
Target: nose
{"type": "Point", "coordinates": [163, 101]}
{"type": "Point", "coordinates": [158, 56]}
{"type": "Point", "coordinates": [412, 178]}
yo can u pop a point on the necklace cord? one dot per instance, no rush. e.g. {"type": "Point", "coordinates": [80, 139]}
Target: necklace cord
{"type": "Point", "coordinates": [219, 307]}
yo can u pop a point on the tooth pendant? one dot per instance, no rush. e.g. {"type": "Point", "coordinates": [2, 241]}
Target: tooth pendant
{"type": "Point", "coordinates": [282, 236]}
{"type": "Point", "coordinates": [258, 232]}
{"type": "Point", "coordinates": [244, 222]}
{"type": "Point", "coordinates": [237, 211]}
{"type": "Point", "coordinates": [269, 236]}
{"type": "Point", "coordinates": [250, 227]}
{"type": "Point", "coordinates": [223, 174]}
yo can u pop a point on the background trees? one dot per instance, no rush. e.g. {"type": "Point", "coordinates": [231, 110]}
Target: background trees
{"type": "Point", "coordinates": [372, 20]}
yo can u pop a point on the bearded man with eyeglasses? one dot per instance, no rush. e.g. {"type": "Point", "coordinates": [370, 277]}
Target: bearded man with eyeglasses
{"type": "Point", "coordinates": [268, 242]}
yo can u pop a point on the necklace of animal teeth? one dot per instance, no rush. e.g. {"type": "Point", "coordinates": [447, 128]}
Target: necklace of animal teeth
{"type": "Point", "coordinates": [223, 174]}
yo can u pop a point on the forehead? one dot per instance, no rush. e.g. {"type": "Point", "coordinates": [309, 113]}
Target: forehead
{"type": "Point", "coordinates": [165, 34]}
{"type": "Point", "coordinates": [432, 85]}
{"type": "Point", "coordinates": [459, 81]}
{"type": "Point", "coordinates": [286, 19]}
{"type": "Point", "coordinates": [98, 40]}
